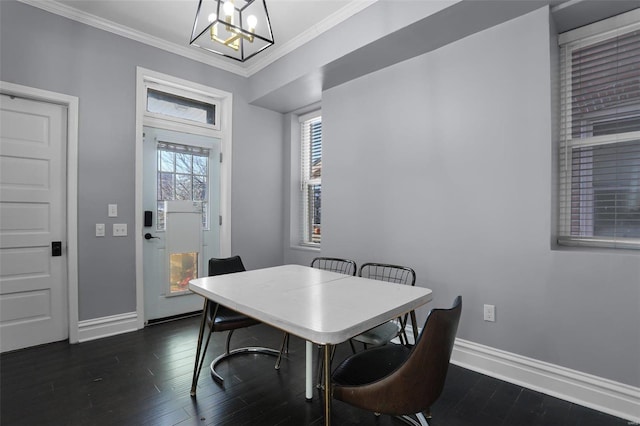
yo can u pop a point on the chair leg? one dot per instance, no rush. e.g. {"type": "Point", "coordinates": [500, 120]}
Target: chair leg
{"type": "Point", "coordinates": [228, 344]}
{"type": "Point", "coordinates": [284, 348]}
{"type": "Point", "coordinates": [228, 353]}
{"type": "Point", "coordinates": [408, 420]}
{"type": "Point", "coordinates": [200, 353]}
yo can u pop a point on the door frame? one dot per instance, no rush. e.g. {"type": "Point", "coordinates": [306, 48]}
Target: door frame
{"type": "Point", "coordinates": [71, 103]}
{"type": "Point", "coordinates": [144, 76]}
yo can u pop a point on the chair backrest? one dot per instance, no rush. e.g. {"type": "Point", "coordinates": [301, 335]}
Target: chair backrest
{"type": "Point", "coordinates": [222, 266]}
{"type": "Point", "coordinates": [418, 382]}
{"type": "Point", "coordinates": [225, 265]}
{"type": "Point", "coordinates": [390, 273]}
{"type": "Point", "coordinates": [334, 264]}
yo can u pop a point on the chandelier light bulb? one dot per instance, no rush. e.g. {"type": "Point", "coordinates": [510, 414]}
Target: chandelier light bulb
{"type": "Point", "coordinates": [228, 8]}
{"type": "Point", "coordinates": [212, 17]}
{"type": "Point", "coordinates": [252, 21]}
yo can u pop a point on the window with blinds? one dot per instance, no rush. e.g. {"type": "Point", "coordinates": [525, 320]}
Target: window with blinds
{"type": "Point", "coordinates": [311, 179]}
{"type": "Point", "coordinates": [182, 175]}
{"type": "Point", "coordinates": [600, 134]}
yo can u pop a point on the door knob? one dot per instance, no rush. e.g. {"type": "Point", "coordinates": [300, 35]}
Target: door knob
{"type": "Point", "coordinates": [148, 236]}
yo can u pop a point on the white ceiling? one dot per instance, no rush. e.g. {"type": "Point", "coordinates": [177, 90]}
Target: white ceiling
{"type": "Point", "coordinates": [170, 22]}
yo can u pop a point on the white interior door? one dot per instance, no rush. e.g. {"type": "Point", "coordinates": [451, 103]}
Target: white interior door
{"type": "Point", "coordinates": [33, 258]}
{"type": "Point", "coordinates": [184, 167]}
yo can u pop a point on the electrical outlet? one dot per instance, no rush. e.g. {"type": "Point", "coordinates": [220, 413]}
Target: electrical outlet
{"type": "Point", "coordinates": [490, 313]}
{"type": "Point", "coordinates": [99, 229]}
{"type": "Point", "coordinates": [119, 229]}
{"type": "Point", "coordinates": [113, 210]}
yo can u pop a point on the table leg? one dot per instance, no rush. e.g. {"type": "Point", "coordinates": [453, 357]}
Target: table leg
{"type": "Point", "coordinates": [327, 384]}
{"type": "Point", "coordinates": [198, 364]}
{"type": "Point", "coordinates": [308, 393]}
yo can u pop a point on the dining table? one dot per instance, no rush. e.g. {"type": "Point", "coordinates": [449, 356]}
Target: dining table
{"type": "Point", "coordinates": [322, 307]}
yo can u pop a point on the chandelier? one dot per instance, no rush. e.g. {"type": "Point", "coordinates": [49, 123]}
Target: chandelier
{"type": "Point", "coordinates": [238, 29]}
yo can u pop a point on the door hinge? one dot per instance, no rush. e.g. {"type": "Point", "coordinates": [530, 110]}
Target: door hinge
{"type": "Point", "coordinates": [220, 220]}
{"type": "Point", "coordinates": [221, 157]}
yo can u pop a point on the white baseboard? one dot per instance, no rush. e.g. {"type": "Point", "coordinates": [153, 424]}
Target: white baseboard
{"type": "Point", "coordinates": [107, 326]}
{"type": "Point", "coordinates": [607, 396]}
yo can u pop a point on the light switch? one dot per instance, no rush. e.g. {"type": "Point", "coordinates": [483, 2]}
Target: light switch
{"type": "Point", "coordinates": [119, 229]}
{"type": "Point", "coordinates": [99, 229]}
{"type": "Point", "coordinates": [113, 210]}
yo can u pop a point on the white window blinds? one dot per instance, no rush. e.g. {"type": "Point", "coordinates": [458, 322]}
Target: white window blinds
{"type": "Point", "coordinates": [600, 135]}
{"type": "Point", "coordinates": [311, 178]}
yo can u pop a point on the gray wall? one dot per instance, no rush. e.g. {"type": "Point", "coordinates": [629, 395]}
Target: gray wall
{"type": "Point", "coordinates": [444, 163]}
{"type": "Point", "coordinates": [45, 51]}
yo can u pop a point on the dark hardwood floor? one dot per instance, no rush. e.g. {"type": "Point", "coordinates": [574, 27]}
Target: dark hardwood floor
{"type": "Point", "coordinates": [144, 377]}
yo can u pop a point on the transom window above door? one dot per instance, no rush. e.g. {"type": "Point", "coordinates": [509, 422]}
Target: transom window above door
{"type": "Point", "coordinates": [180, 107]}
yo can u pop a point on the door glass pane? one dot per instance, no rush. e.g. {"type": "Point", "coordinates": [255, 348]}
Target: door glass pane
{"type": "Point", "coordinates": [166, 186]}
{"type": "Point", "coordinates": [182, 175]}
{"type": "Point", "coordinates": [167, 161]}
{"type": "Point", "coordinates": [200, 165]}
{"type": "Point", "coordinates": [183, 163]}
{"type": "Point", "coordinates": [199, 187]}
{"type": "Point", "coordinates": [183, 187]}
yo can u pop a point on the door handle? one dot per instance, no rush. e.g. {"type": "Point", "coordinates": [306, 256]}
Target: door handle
{"type": "Point", "coordinates": [148, 236]}
{"type": "Point", "coordinates": [56, 248]}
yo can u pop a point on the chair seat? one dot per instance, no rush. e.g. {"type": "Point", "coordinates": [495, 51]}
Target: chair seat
{"type": "Point", "coordinates": [228, 319]}
{"type": "Point", "coordinates": [379, 335]}
{"type": "Point", "coordinates": [370, 365]}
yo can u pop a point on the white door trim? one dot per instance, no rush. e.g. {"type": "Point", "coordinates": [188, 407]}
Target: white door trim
{"type": "Point", "coordinates": [71, 102]}
{"type": "Point", "coordinates": [226, 108]}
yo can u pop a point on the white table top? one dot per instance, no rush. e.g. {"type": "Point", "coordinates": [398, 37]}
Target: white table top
{"type": "Point", "coordinates": [320, 306]}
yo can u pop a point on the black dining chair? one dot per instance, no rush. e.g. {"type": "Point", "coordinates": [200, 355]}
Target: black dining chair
{"type": "Point", "coordinates": [400, 380]}
{"type": "Point", "coordinates": [220, 318]}
{"type": "Point", "coordinates": [388, 331]}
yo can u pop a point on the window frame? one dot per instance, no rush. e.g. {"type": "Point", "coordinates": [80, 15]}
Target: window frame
{"type": "Point", "coordinates": [305, 232]}
{"type": "Point", "coordinates": [192, 95]}
{"type": "Point", "coordinates": [570, 41]}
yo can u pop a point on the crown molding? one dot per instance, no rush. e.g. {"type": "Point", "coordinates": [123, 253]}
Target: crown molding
{"type": "Point", "coordinates": [278, 51]}
{"type": "Point", "coordinates": [246, 70]}
{"type": "Point", "coordinates": [121, 30]}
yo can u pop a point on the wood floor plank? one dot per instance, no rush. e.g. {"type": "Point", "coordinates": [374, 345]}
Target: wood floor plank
{"type": "Point", "coordinates": [144, 378]}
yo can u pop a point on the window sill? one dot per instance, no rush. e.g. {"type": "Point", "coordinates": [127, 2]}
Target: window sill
{"type": "Point", "coordinates": [304, 247]}
{"type": "Point", "coordinates": [592, 246]}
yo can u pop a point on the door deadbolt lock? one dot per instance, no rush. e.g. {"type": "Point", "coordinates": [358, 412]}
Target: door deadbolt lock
{"type": "Point", "coordinates": [56, 248]}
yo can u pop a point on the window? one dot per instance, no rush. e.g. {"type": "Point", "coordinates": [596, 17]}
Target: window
{"type": "Point", "coordinates": [182, 175]}
{"type": "Point", "coordinates": [311, 182]}
{"type": "Point", "coordinates": [600, 134]}
{"type": "Point", "coordinates": [181, 107]}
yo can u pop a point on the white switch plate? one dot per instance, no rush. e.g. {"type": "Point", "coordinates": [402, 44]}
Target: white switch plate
{"type": "Point", "coordinates": [119, 229]}
{"type": "Point", "coordinates": [100, 229]}
{"type": "Point", "coordinates": [113, 210]}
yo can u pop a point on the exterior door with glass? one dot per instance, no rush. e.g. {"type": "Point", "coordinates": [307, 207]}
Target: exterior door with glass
{"type": "Point", "coordinates": [181, 227]}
